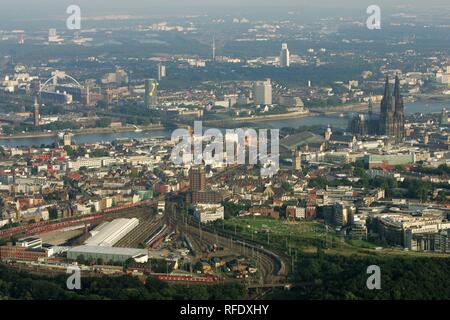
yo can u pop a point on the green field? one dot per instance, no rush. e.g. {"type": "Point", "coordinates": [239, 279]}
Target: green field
{"type": "Point", "coordinates": [303, 235]}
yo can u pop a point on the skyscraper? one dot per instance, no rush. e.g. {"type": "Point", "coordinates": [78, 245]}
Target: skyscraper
{"type": "Point", "coordinates": [297, 161]}
{"type": "Point", "coordinates": [36, 112]}
{"type": "Point", "coordinates": [284, 56]}
{"type": "Point", "coordinates": [67, 138]}
{"type": "Point", "coordinates": [443, 119]}
{"type": "Point", "coordinates": [151, 93]}
{"type": "Point", "coordinates": [262, 92]}
{"type": "Point", "coordinates": [197, 179]}
{"type": "Point", "coordinates": [161, 71]}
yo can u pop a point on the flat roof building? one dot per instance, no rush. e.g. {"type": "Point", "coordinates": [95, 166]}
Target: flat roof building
{"type": "Point", "coordinates": [208, 212]}
{"type": "Point", "coordinates": [262, 92]}
{"type": "Point", "coordinates": [107, 254]}
{"type": "Point", "coordinates": [107, 235]}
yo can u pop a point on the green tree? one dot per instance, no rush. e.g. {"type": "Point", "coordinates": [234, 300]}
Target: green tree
{"type": "Point", "coordinates": [53, 213]}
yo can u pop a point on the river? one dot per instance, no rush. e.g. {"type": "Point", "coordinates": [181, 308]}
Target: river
{"type": "Point", "coordinates": [341, 122]}
{"type": "Point", "coordinates": [333, 120]}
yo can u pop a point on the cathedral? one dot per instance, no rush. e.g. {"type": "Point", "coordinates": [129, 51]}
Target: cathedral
{"type": "Point", "coordinates": [391, 120]}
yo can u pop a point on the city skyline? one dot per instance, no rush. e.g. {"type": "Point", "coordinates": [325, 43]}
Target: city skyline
{"type": "Point", "coordinates": [224, 155]}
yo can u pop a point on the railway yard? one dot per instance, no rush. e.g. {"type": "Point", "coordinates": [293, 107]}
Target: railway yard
{"type": "Point", "coordinates": [169, 234]}
{"type": "Point", "coordinates": [196, 251]}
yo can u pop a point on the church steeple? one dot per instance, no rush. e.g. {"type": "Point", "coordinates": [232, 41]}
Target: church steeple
{"type": "Point", "coordinates": [387, 90]}
{"type": "Point", "coordinates": [386, 126]}
{"type": "Point", "coordinates": [370, 108]}
{"type": "Point", "coordinates": [398, 96]}
{"type": "Point", "coordinates": [387, 97]}
{"type": "Point", "coordinates": [391, 120]}
{"type": "Point", "coordinates": [399, 114]}
{"type": "Point", "coordinates": [397, 86]}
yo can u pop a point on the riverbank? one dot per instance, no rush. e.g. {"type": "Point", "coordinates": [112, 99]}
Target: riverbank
{"type": "Point", "coordinates": [265, 118]}
{"type": "Point", "coordinates": [281, 116]}
{"type": "Point", "coordinates": [85, 131]}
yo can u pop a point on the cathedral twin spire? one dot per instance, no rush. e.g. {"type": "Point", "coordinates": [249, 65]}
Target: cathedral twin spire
{"type": "Point", "coordinates": [392, 118]}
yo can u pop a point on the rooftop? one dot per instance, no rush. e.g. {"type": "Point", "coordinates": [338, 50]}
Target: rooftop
{"type": "Point", "coordinates": [109, 250]}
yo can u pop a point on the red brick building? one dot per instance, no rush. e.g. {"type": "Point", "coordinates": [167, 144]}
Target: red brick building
{"type": "Point", "coordinates": [21, 253]}
{"type": "Point", "coordinates": [204, 197]}
{"type": "Point", "coordinates": [268, 212]}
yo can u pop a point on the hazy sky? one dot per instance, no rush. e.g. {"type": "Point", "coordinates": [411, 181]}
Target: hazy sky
{"type": "Point", "coordinates": [41, 9]}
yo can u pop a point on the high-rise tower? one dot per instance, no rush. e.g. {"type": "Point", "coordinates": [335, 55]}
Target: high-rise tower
{"type": "Point", "coordinates": [284, 56]}
{"type": "Point", "coordinates": [151, 93]}
{"type": "Point", "coordinates": [36, 112]}
{"type": "Point", "coordinates": [197, 179]}
{"type": "Point", "coordinates": [262, 92]}
{"type": "Point", "coordinates": [297, 161]}
{"type": "Point", "coordinates": [443, 119]}
{"type": "Point", "coordinates": [161, 71]}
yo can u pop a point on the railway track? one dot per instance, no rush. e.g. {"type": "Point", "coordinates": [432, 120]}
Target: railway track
{"type": "Point", "coordinates": [264, 263]}
{"type": "Point", "coordinates": [141, 233]}
{"type": "Point", "coordinates": [272, 267]}
{"type": "Point", "coordinates": [43, 227]}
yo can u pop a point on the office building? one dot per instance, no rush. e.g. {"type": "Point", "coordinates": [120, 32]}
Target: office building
{"type": "Point", "coordinates": [205, 197]}
{"type": "Point", "coordinates": [151, 94]}
{"type": "Point", "coordinates": [297, 161]}
{"type": "Point", "coordinates": [161, 71]}
{"type": "Point", "coordinates": [56, 97]}
{"type": "Point", "coordinates": [443, 120]}
{"type": "Point", "coordinates": [197, 179]}
{"type": "Point", "coordinates": [208, 212]}
{"type": "Point", "coordinates": [262, 92]}
{"type": "Point", "coordinates": [67, 138]}
{"type": "Point", "coordinates": [120, 76]}
{"type": "Point", "coordinates": [284, 56]}
{"type": "Point", "coordinates": [77, 93]}
{"type": "Point", "coordinates": [22, 253]}
{"type": "Point", "coordinates": [294, 212]}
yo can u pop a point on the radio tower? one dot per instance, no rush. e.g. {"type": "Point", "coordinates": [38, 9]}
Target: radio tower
{"type": "Point", "coordinates": [214, 49]}
{"type": "Point", "coordinates": [36, 112]}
